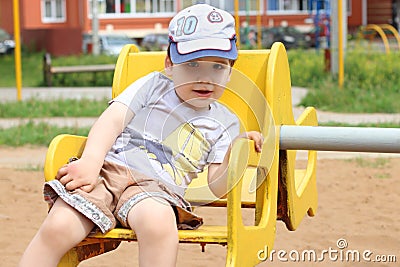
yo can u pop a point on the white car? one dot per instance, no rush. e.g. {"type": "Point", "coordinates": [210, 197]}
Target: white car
{"type": "Point", "coordinates": [7, 44]}
{"type": "Point", "coordinates": [110, 44]}
{"type": "Point", "coordinates": [155, 42]}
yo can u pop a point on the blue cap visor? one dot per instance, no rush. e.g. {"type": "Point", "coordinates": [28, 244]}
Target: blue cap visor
{"type": "Point", "coordinates": [178, 58]}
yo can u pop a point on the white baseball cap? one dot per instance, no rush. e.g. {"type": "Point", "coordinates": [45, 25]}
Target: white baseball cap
{"type": "Point", "coordinates": [202, 31]}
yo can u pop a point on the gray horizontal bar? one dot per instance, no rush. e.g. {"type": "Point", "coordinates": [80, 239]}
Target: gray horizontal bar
{"type": "Point", "coordinates": [351, 139]}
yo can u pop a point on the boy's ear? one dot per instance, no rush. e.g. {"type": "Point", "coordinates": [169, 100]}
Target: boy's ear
{"type": "Point", "coordinates": [230, 74]}
{"type": "Point", "coordinates": [168, 66]}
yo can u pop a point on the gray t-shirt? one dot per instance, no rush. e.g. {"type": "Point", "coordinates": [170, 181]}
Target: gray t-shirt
{"type": "Point", "coordinates": [167, 139]}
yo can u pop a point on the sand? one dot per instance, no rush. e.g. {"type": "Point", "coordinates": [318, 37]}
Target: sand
{"type": "Point", "coordinates": [359, 204]}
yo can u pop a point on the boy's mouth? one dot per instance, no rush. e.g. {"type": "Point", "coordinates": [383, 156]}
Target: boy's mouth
{"type": "Point", "coordinates": [203, 93]}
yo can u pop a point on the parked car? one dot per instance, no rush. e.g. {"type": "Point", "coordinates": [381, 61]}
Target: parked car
{"type": "Point", "coordinates": [7, 44]}
{"type": "Point", "coordinates": [289, 36]}
{"type": "Point", "coordinates": [155, 42]}
{"type": "Point", "coordinates": [110, 44]}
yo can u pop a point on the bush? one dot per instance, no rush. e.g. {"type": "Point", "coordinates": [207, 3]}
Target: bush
{"type": "Point", "coordinates": [32, 70]}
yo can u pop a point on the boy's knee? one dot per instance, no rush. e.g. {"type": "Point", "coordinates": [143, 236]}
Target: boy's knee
{"type": "Point", "coordinates": [155, 218]}
{"type": "Point", "coordinates": [61, 224]}
{"type": "Point", "coordinates": [53, 227]}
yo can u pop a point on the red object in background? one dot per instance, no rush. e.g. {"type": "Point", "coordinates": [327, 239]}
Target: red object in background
{"type": "Point", "coordinates": [89, 48]}
{"type": "Point", "coordinates": [327, 61]}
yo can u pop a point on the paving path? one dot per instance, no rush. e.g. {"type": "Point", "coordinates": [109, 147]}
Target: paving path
{"type": "Point", "coordinates": [10, 94]}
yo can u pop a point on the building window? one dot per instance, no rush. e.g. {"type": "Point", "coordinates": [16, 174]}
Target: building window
{"type": "Point", "coordinates": [109, 8]}
{"type": "Point", "coordinates": [245, 6]}
{"type": "Point", "coordinates": [217, 3]}
{"type": "Point", "coordinates": [282, 6]}
{"type": "Point", "coordinates": [53, 11]}
{"type": "Point", "coordinates": [289, 5]}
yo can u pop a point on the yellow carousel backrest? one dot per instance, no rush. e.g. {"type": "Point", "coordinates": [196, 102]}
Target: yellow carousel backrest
{"type": "Point", "coordinates": [132, 65]}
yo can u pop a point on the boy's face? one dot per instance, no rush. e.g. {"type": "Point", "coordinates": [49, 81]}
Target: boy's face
{"type": "Point", "coordinates": [201, 81]}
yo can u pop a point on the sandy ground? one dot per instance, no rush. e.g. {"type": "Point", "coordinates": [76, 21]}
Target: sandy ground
{"type": "Point", "coordinates": [358, 202]}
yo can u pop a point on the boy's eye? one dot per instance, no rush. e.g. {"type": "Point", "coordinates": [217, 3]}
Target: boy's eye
{"type": "Point", "coordinates": [193, 64]}
{"type": "Point", "coordinates": [218, 66]}
{"type": "Point", "coordinates": [215, 66]}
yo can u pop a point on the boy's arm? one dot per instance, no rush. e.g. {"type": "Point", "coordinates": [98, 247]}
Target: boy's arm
{"type": "Point", "coordinates": [84, 172]}
{"type": "Point", "coordinates": [217, 172]}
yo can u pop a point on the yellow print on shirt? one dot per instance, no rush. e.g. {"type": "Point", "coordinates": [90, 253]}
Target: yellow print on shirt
{"type": "Point", "coordinates": [189, 146]}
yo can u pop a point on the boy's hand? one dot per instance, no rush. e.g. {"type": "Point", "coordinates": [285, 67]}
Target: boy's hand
{"type": "Point", "coordinates": [256, 137]}
{"type": "Point", "coordinates": [217, 174]}
{"type": "Point", "coordinates": [78, 174]}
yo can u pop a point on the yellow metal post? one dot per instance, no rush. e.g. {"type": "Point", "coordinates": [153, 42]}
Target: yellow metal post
{"type": "Point", "coordinates": [17, 51]}
{"type": "Point", "coordinates": [340, 31]}
{"type": "Point", "coordinates": [237, 21]}
{"type": "Point", "coordinates": [259, 30]}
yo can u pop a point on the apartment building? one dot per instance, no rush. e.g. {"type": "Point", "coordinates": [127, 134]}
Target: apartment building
{"type": "Point", "coordinates": [57, 26]}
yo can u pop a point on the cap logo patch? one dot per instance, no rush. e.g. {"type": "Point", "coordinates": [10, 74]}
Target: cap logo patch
{"type": "Point", "coordinates": [215, 17]}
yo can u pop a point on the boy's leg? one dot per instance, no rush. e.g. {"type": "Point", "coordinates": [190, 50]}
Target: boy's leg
{"type": "Point", "coordinates": [154, 223]}
{"type": "Point", "coordinates": [63, 228]}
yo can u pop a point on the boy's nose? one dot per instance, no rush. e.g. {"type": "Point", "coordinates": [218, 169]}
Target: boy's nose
{"type": "Point", "coordinates": [205, 78]}
{"type": "Point", "coordinates": [203, 85]}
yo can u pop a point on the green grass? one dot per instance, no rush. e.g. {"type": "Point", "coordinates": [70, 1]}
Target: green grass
{"type": "Point", "coordinates": [377, 163]}
{"type": "Point", "coordinates": [31, 69]}
{"type": "Point", "coordinates": [34, 108]}
{"type": "Point", "coordinates": [379, 125]}
{"type": "Point", "coordinates": [35, 134]}
{"type": "Point", "coordinates": [371, 83]}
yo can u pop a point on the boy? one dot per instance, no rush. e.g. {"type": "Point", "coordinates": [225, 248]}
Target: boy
{"type": "Point", "coordinates": [146, 148]}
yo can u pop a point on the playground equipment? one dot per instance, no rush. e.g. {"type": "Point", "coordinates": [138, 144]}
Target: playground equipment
{"type": "Point", "coordinates": [371, 30]}
{"type": "Point", "coordinates": [321, 20]}
{"type": "Point", "coordinates": [262, 103]}
{"type": "Point", "coordinates": [267, 70]}
{"type": "Point", "coordinates": [350, 139]}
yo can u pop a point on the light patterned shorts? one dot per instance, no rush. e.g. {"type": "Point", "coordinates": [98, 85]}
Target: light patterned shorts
{"type": "Point", "coordinates": [118, 190]}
